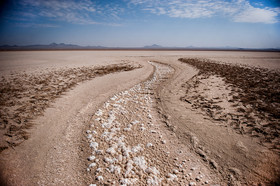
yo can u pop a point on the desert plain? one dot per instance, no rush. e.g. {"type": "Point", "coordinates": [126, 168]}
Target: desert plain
{"type": "Point", "coordinates": [139, 117]}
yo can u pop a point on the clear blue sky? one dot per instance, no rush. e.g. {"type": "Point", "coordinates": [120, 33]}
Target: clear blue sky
{"type": "Point", "coordinates": [135, 23]}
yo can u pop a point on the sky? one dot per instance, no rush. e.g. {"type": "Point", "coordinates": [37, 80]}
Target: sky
{"type": "Point", "coordinates": [137, 23]}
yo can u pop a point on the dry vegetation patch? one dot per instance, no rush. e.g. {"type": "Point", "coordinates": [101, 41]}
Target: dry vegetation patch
{"type": "Point", "coordinates": [252, 97]}
{"type": "Point", "coordinates": [25, 96]}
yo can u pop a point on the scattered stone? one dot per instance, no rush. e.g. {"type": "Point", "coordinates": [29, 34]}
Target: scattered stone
{"type": "Point", "coordinates": [213, 164]}
{"type": "Point", "coordinates": [88, 131]}
{"type": "Point", "coordinates": [91, 158]}
{"type": "Point", "coordinates": [100, 178]}
{"type": "Point", "coordinates": [99, 170]}
{"type": "Point", "coordinates": [92, 165]}
{"type": "Point", "coordinates": [153, 131]}
{"type": "Point", "coordinates": [192, 183]}
{"type": "Point", "coordinates": [171, 177]}
{"type": "Point", "coordinates": [152, 170]}
{"type": "Point", "coordinates": [99, 152]}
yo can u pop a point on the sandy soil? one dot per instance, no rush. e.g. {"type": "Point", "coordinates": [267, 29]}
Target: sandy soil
{"type": "Point", "coordinates": [26, 96]}
{"type": "Point", "coordinates": [246, 98]}
{"type": "Point", "coordinates": [135, 127]}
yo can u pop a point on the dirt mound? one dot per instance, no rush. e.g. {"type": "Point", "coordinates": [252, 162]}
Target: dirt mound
{"type": "Point", "coordinates": [250, 102]}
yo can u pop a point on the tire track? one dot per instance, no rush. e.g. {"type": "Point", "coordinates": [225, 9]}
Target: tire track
{"type": "Point", "coordinates": [129, 144]}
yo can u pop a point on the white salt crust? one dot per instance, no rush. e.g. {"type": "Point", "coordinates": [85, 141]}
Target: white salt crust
{"type": "Point", "coordinates": [112, 154]}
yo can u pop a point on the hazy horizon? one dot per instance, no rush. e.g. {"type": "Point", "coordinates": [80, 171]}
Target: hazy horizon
{"type": "Point", "coordinates": [138, 23]}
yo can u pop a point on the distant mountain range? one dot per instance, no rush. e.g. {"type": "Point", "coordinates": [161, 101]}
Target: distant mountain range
{"type": "Point", "coordinates": [52, 46]}
{"type": "Point", "coordinates": [63, 46]}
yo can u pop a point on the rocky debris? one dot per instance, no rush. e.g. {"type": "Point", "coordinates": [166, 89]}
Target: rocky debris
{"type": "Point", "coordinates": [135, 152]}
{"type": "Point", "coordinates": [245, 98]}
{"type": "Point", "coordinates": [26, 96]}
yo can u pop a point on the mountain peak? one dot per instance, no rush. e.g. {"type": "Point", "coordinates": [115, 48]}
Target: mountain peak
{"type": "Point", "coordinates": [153, 46]}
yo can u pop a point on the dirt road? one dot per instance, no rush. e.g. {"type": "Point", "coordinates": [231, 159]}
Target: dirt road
{"type": "Point", "coordinates": [54, 150]}
{"type": "Point", "coordinates": [145, 134]}
{"type": "Point", "coordinates": [239, 158]}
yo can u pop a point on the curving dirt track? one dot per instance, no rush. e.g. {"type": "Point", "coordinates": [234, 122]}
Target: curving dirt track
{"type": "Point", "coordinates": [180, 145]}
{"type": "Point", "coordinates": [240, 159]}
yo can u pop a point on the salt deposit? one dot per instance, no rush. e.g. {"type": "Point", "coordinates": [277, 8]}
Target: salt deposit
{"type": "Point", "coordinates": [125, 136]}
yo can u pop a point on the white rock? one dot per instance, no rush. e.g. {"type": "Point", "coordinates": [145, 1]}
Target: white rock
{"type": "Point", "coordinates": [128, 181]}
{"type": "Point", "coordinates": [135, 122]}
{"type": "Point", "coordinates": [92, 185]}
{"type": "Point", "coordinates": [163, 141]}
{"type": "Point", "coordinates": [116, 105]}
{"type": "Point", "coordinates": [129, 167]}
{"type": "Point", "coordinates": [89, 136]}
{"type": "Point", "coordinates": [107, 104]}
{"type": "Point", "coordinates": [111, 150]}
{"type": "Point", "coordinates": [140, 162]}
{"type": "Point", "coordinates": [171, 177]}
{"type": "Point", "coordinates": [113, 98]}
{"type": "Point", "coordinates": [99, 170]}
{"type": "Point", "coordinates": [126, 151]}
{"type": "Point", "coordinates": [192, 183]}
{"type": "Point", "coordinates": [94, 145]}
{"type": "Point", "coordinates": [126, 129]}
{"type": "Point", "coordinates": [137, 149]}
{"type": "Point", "coordinates": [99, 113]}
{"type": "Point", "coordinates": [92, 165]}
{"type": "Point", "coordinates": [109, 123]}
{"type": "Point", "coordinates": [109, 160]}
{"type": "Point", "coordinates": [118, 170]}
{"type": "Point", "coordinates": [99, 178]}
{"type": "Point", "coordinates": [99, 152]}
{"type": "Point", "coordinates": [91, 158]}
{"type": "Point", "coordinates": [115, 129]}
{"type": "Point", "coordinates": [120, 158]}
{"type": "Point", "coordinates": [149, 145]}
{"type": "Point", "coordinates": [88, 131]}
{"type": "Point", "coordinates": [111, 169]}
{"type": "Point", "coordinates": [153, 180]}
{"type": "Point", "coordinates": [152, 170]}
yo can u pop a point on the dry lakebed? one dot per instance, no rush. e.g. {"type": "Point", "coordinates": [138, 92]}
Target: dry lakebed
{"type": "Point", "coordinates": [139, 118]}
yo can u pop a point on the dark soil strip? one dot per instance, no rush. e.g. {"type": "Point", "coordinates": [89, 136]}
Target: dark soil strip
{"type": "Point", "coordinates": [26, 96]}
{"type": "Point", "coordinates": [260, 88]}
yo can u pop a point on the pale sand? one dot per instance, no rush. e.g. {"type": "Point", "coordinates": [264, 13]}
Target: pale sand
{"type": "Point", "coordinates": [57, 149]}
